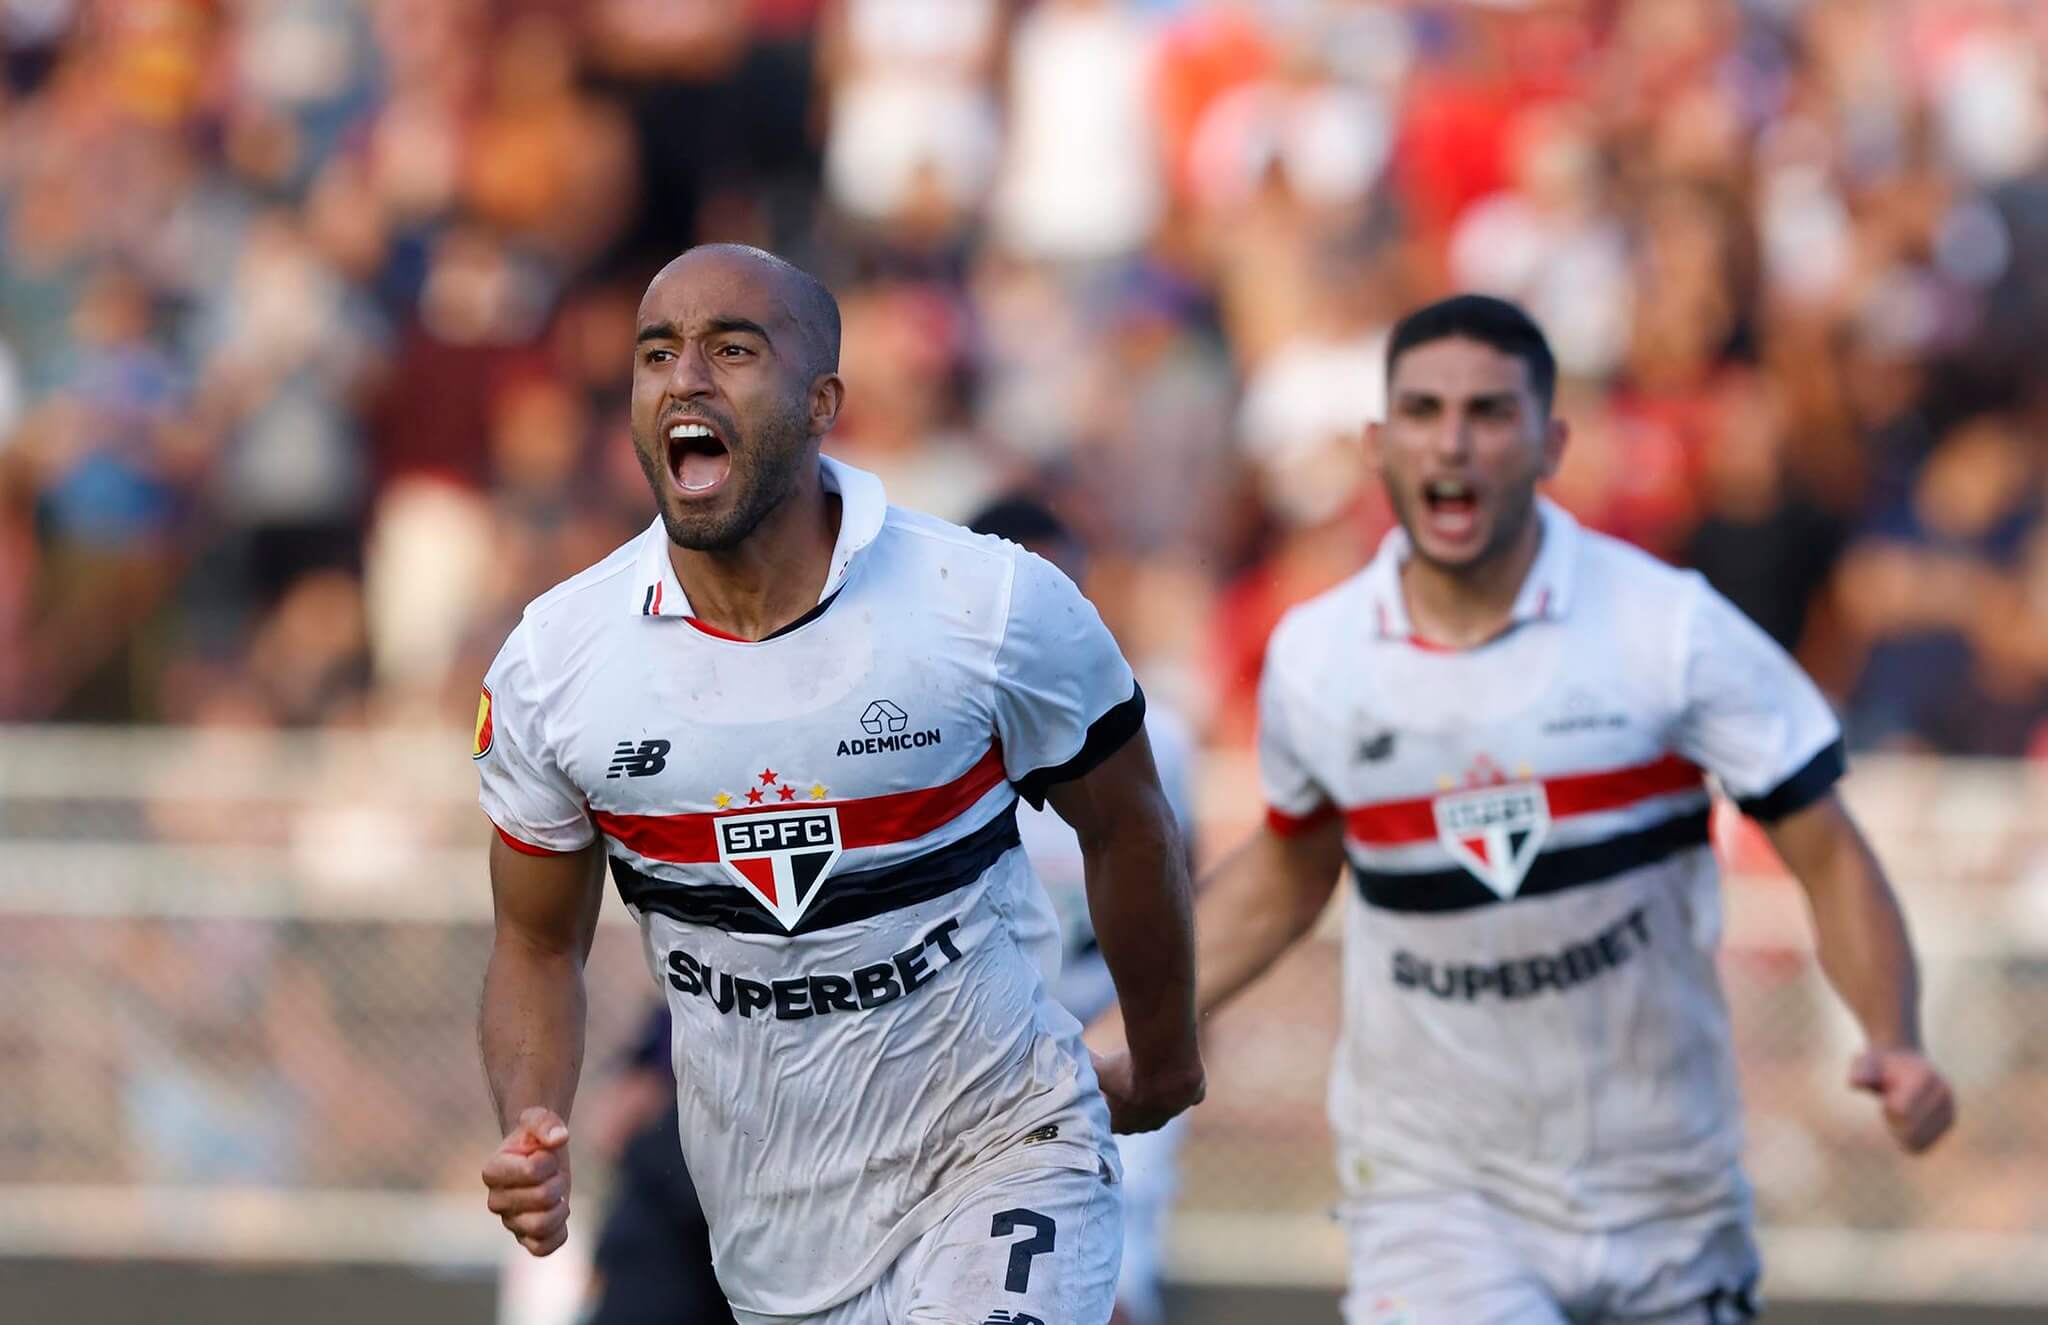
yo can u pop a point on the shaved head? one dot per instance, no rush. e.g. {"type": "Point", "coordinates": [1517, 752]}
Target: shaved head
{"type": "Point", "coordinates": [811, 307]}
{"type": "Point", "coordinates": [735, 384]}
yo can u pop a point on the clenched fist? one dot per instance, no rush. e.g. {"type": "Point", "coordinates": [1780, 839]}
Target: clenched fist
{"type": "Point", "coordinates": [1918, 1105]}
{"type": "Point", "coordinates": [1146, 1101]}
{"type": "Point", "coordinates": [528, 1181]}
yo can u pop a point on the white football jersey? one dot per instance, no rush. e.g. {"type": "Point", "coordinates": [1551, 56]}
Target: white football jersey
{"type": "Point", "coordinates": [817, 834]}
{"type": "Point", "coordinates": [1531, 1003]}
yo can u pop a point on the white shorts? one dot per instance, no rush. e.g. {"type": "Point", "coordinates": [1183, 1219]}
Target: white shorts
{"type": "Point", "coordinates": [1039, 1247]}
{"type": "Point", "coordinates": [1456, 1258]}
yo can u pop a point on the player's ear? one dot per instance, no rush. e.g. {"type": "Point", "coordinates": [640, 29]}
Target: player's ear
{"type": "Point", "coordinates": [828, 394]}
{"type": "Point", "coordinates": [1555, 435]}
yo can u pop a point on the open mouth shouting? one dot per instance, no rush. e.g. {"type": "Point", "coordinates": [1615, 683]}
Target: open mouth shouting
{"type": "Point", "coordinates": [1451, 509]}
{"type": "Point", "coordinates": [699, 459]}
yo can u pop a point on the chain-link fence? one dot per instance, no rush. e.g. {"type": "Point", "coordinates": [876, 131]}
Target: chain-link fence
{"type": "Point", "coordinates": [239, 970]}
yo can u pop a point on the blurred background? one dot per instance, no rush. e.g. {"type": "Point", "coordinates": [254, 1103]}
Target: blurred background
{"type": "Point", "coordinates": [315, 324]}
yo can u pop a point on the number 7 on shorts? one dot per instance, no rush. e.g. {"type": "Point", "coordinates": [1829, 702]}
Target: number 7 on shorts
{"type": "Point", "coordinates": [1045, 1234]}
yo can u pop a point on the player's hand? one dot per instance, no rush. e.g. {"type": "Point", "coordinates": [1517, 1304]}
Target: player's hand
{"type": "Point", "coordinates": [1918, 1104]}
{"type": "Point", "coordinates": [1146, 1102]}
{"type": "Point", "coordinates": [528, 1180]}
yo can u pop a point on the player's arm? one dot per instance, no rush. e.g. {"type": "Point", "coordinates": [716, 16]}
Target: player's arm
{"type": "Point", "coordinates": [1070, 719]}
{"type": "Point", "coordinates": [1260, 901]}
{"type": "Point", "coordinates": [531, 1030]}
{"type": "Point", "coordinates": [546, 884]}
{"type": "Point", "coordinates": [1749, 715]}
{"type": "Point", "coordinates": [532, 1021]}
{"type": "Point", "coordinates": [1138, 900]}
{"type": "Point", "coordinates": [1268, 894]}
{"type": "Point", "coordinates": [1860, 934]}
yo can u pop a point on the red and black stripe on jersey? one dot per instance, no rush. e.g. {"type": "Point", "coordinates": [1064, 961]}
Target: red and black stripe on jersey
{"type": "Point", "coordinates": [1564, 866]}
{"type": "Point", "coordinates": [873, 821]}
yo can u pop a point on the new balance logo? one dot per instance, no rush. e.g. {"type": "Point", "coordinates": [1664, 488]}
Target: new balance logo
{"type": "Point", "coordinates": [1002, 1317]}
{"type": "Point", "coordinates": [639, 761]}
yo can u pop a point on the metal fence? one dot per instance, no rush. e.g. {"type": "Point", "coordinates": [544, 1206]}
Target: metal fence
{"type": "Point", "coordinates": [238, 975]}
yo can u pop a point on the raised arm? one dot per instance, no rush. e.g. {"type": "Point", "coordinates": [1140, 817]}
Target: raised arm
{"type": "Point", "coordinates": [1864, 949]}
{"type": "Point", "coordinates": [1136, 871]}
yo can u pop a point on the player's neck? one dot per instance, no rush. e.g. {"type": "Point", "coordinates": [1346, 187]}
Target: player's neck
{"type": "Point", "coordinates": [1465, 608]}
{"type": "Point", "coordinates": [776, 573]}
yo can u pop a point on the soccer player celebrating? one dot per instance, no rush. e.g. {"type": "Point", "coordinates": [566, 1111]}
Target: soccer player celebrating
{"type": "Point", "coordinates": [797, 722]}
{"type": "Point", "coordinates": [1503, 724]}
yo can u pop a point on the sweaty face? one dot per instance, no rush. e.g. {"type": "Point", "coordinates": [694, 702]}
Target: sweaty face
{"type": "Point", "coordinates": [722, 419]}
{"type": "Point", "coordinates": [1465, 443]}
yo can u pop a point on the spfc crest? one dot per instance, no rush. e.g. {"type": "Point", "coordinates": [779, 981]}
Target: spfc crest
{"type": "Point", "coordinates": [780, 856]}
{"type": "Point", "coordinates": [1495, 832]}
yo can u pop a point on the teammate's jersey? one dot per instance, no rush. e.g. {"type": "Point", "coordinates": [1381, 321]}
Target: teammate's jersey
{"type": "Point", "coordinates": [1531, 1004]}
{"type": "Point", "coordinates": [817, 835]}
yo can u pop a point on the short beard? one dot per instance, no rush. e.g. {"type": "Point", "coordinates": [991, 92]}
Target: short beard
{"type": "Point", "coordinates": [764, 485]}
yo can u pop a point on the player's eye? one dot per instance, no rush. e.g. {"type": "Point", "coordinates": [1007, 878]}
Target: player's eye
{"type": "Point", "coordinates": [730, 350]}
{"type": "Point", "coordinates": [658, 356]}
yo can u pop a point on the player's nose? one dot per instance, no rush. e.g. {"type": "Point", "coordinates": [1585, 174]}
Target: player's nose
{"type": "Point", "coordinates": [1453, 442]}
{"type": "Point", "coordinates": [689, 374]}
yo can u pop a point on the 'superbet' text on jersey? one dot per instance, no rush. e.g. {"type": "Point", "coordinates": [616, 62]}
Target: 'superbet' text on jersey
{"type": "Point", "coordinates": [817, 834]}
{"type": "Point", "coordinates": [1531, 1004]}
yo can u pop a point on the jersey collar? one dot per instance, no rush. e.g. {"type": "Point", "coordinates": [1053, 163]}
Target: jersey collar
{"type": "Point", "coordinates": [863, 507]}
{"type": "Point", "coordinates": [1545, 594]}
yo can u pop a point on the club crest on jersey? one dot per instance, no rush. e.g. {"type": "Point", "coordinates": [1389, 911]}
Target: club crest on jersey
{"type": "Point", "coordinates": [781, 856]}
{"type": "Point", "coordinates": [1495, 828]}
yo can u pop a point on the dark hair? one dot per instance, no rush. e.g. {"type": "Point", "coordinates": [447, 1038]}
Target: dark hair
{"type": "Point", "coordinates": [1022, 520]}
{"type": "Point", "coordinates": [1490, 321]}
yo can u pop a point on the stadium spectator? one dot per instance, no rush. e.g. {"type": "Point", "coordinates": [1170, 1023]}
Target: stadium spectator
{"type": "Point", "coordinates": [354, 274]}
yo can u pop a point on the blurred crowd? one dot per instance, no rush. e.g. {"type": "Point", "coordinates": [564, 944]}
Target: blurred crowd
{"type": "Point", "coordinates": [315, 315]}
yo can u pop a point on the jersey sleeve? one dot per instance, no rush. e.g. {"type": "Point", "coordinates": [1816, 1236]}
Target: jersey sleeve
{"type": "Point", "coordinates": [1295, 800]}
{"type": "Point", "coordinates": [536, 807]}
{"type": "Point", "coordinates": [1750, 716]}
{"type": "Point", "coordinates": [1065, 699]}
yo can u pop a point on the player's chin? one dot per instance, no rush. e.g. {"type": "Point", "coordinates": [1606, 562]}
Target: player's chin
{"type": "Point", "coordinates": [708, 527]}
{"type": "Point", "coordinates": [1451, 552]}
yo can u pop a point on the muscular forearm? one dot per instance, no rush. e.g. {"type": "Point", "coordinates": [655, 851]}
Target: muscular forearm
{"type": "Point", "coordinates": [1138, 898]}
{"type": "Point", "coordinates": [531, 1027]}
{"type": "Point", "coordinates": [1861, 938]}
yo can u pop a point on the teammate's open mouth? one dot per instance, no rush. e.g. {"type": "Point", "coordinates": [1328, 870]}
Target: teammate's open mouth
{"type": "Point", "coordinates": [1453, 506]}
{"type": "Point", "coordinates": [698, 459]}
